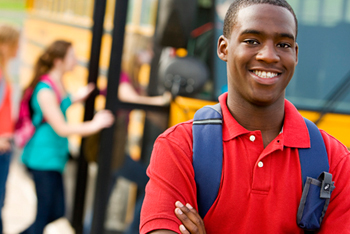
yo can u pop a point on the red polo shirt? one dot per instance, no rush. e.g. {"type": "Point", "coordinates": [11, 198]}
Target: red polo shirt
{"type": "Point", "coordinates": [260, 188]}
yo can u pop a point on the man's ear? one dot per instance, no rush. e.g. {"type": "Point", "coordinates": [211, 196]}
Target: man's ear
{"type": "Point", "coordinates": [296, 53]}
{"type": "Point", "coordinates": [222, 48]}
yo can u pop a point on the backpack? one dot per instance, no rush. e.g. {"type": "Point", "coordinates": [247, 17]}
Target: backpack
{"type": "Point", "coordinates": [24, 128]}
{"type": "Point", "coordinates": [208, 144]}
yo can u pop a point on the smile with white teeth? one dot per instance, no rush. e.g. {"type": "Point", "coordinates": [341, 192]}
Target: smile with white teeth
{"type": "Point", "coordinates": [264, 74]}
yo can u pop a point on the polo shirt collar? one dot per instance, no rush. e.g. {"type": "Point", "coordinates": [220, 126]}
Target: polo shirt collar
{"type": "Point", "coordinates": [230, 127]}
{"type": "Point", "coordinates": [295, 133]}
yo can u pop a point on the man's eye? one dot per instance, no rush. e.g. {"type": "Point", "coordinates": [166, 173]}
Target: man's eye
{"type": "Point", "coordinates": [251, 42]}
{"type": "Point", "coordinates": [284, 45]}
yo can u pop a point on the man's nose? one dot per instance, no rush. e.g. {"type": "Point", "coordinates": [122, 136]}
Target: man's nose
{"type": "Point", "coordinates": [268, 53]}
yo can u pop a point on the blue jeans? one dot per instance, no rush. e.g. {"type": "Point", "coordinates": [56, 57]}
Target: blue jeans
{"type": "Point", "coordinates": [50, 195]}
{"type": "Point", "coordinates": [4, 171]}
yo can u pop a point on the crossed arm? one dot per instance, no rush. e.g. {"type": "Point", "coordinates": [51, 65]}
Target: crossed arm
{"type": "Point", "coordinates": [158, 209]}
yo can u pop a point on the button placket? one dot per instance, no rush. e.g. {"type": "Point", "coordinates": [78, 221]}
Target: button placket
{"type": "Point", "coordinates": [260, 168]}
{"type": "Point", "coordinates": [261, 176]}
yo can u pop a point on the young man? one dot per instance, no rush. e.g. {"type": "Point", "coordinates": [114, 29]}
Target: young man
{"type": "Point", "coordinates": [261, 184]}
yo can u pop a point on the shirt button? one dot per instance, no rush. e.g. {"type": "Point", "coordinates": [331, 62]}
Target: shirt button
{"type": "Point", "coordinates": [260, 164]}
{"type": "Point", "coordinates": [252, 138]}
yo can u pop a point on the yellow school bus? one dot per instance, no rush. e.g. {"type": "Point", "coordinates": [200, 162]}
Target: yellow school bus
{"type": "Point", "coordinates": [179, 29]}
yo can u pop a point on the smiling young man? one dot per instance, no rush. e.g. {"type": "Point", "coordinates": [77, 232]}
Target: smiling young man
{"type": "Point", "coordinates": [261, 183]}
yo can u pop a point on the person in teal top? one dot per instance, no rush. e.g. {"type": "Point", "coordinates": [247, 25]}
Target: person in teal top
{"type": "Point", "coordinates": [46, 150]}
{"type": "Point", "coordinates": [46, 154]}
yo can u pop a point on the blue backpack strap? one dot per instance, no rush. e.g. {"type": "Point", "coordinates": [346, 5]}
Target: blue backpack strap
{"type": "Point", "coordinates": [314, 160]}
{"type": "Point", "coordinates": [207, 155]}
{"type": "Point", "coordinates": [317, 182]}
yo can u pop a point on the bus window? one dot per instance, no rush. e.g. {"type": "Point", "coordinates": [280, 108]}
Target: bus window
{"type": "Point", "coordinates": [323, 59]}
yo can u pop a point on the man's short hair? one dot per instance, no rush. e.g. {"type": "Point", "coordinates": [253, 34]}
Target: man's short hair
{"type": "Point", "coordinates": [236, 5]}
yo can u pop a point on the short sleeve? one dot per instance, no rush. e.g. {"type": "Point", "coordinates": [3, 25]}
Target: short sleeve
{"type": "Point", "coordinates": [337, 218]}
{"type": "Point", "coordinates": [171, 179]}
{"type": "Point", "coordinates": [124, 78]}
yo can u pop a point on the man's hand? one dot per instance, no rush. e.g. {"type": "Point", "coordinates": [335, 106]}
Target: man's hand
{"type": "Point", "coordinates": [192, 223]}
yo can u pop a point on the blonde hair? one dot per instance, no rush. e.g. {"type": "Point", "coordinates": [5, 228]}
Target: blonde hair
{"type": "Point", "coordinates": [9, 36]}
